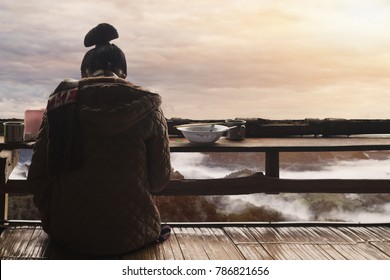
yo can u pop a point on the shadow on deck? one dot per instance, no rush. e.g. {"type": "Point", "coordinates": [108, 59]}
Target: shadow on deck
{"type": "Point", "coordinates": [290, 241]}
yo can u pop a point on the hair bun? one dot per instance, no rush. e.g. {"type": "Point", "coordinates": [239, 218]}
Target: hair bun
{"type": "Point", "coordinates": [100, 35]}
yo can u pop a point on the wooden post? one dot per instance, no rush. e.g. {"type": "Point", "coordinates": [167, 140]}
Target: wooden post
{"type": "Point", "coordinates": [272, 164]}
{"type": "Point", "coordinates": [8, 160]}
{"type": "Point", "coordinates": [3, 195]}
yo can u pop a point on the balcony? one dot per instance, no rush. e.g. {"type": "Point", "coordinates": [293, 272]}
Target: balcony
{"type": "Point", "coordinates": [302, 240]}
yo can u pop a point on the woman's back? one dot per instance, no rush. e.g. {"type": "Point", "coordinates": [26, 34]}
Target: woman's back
{"type": "Point", "coordinates": [102, 149]}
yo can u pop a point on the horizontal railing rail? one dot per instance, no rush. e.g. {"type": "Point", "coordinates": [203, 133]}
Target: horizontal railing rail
{"type": "Point", "coordinates": [256, 183]}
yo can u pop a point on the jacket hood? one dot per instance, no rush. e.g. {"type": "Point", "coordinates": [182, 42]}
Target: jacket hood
{"type": "Point", "coordinates": [110, 105]}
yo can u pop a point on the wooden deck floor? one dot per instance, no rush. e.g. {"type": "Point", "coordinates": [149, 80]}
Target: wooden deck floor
{"type": "Point", "coordinates": [222, 242]}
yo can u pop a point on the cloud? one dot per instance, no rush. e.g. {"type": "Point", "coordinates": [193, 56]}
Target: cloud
{"type": "Point", "coordinates": [261, 57]}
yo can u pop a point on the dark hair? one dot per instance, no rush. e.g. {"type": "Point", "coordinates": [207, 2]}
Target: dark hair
{"type": "Point", "coordinates": [104, 56]}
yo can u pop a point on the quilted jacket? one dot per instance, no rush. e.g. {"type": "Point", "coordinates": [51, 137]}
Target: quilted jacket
{"type": "Point", "coordinates": [105, 206]}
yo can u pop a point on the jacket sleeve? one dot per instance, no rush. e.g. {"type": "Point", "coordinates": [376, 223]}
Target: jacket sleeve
{"type": "Point", "coordinates": [158, 154]}
{"type": "Point", "coordinates": [38, 178]}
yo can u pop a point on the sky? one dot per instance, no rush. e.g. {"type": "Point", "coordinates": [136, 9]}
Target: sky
{"type": "Point", "coordinates": [279, 59]}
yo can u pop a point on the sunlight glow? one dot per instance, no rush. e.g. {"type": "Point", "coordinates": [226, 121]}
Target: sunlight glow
{"type": "Point", "coordinates": [360, 23]}
{"type": "Point", "coordinates": [270, 59]}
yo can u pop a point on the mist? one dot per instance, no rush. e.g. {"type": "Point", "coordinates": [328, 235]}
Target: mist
{"type": "Point", "coordinates": [364, 208]}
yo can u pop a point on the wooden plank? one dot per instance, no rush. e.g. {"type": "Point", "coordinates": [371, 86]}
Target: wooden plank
{"type": "Point", "coordinates": [172, 250]}
{"type": "Point", "coordinates": [258, 127]}
{"type": "Point", "coordinates": [313, 242]}
{"type": "Point", "coordinates": [291, 239]}
{"type": "Point", "coordinates": [266, 234]}
{"type": "Point", "coordinates": [348, 251]}
{"type": "Point", "coordinates": [307, 251]}
{"type": "Point", "coordinates": [280, 251]}
{"type": "Point", "coordinates": [227, 244]}
{"type": "Point", "coordinates": [219, 246]}
{"type": "Point", "coordinates": [145, 253]}
{"type": "Point", "coordinates": [240, 235]}
{"type": "Point", "coordinates": [204, 243]}
{"type": "Point", "coordinates": [168, 253]}
{"type": "Point", "coordinates": [37, 246]}
{"type": "Point", "coordinates": [307, 246]}
{"type": "Point", "coordinates": [274, 242]}
{"type": "Point", "coordinates": [167, 250]}
{"type": "Point", "coordinates": [12, 146]}
{"type": "Point", "coordinates": [258, 183]}
{"type": "Point", "coordinates": [136, 255]}
{"type": "Point", "coordinates": [153, 252]}
{"type": "Point", "coordinates": [360, 234]}
{"type": "Point", "coordinates": [371, 252]}
{"type": "Point", "coordinates": [5, 243]}
{"type": "Point", "coordinates": [247, 244]}
{"type": "Point", "coordinates": [208, 243]}
{"type": "Point", "coordinates": [316, 252]}
{"type": "Point", "coordinates": [287, 243]}
{"type": "Point", "coordinates": [360, 251]}
{"type": "Point", "coordinates": [160, 251]}
{"type": "Point", "coordinates": [190, 243]}
{"type": "Point", "coordinates": [16, 186]}
{"type": "Point", "coordinates": [382, 231]}
{"type": "Point", "coordinates": [291, 144]}
{"type": "Point", "coordinates": [383, 246]}
{"type": "Point", "coordinates": [149, 253]}
{"type": "Point", "coordinates": [333, 253]}
{"type": "Point", "coordinates": [325, 237]}
{"type": "Point", "coordinates": [313, 236]}
{"type": "Point", "coordinates": [20, 238]}
{"type": "Point", "coordinates": [355, 243]}
{"type": "Point", "coordinates": [254, 252]}
{"type": "Point", "coordinates": [331, 235]}
{"type": "Point", "coordinates": [294, 235]}
{"type": "Point", "coordinates": [14, 241]}
{"type": "Point", "coordinates": [286, 144]}
{"type": "Point", "coordinates": [253, 242]}
{"type": "Point", "coordinates": [305, 243]}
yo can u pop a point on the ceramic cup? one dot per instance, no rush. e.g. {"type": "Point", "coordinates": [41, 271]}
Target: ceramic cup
{"type": "Point", "coordinates": [237, 133]}
{"type": "Point", "coordinates": [13, 132]}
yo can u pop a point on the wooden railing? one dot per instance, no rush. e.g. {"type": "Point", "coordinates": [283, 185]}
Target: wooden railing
{"type": "Point", "coordinates": [257, 183]}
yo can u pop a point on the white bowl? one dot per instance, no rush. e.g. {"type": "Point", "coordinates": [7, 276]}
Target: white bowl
{"type": "Point", "coordinates": [203, 134]}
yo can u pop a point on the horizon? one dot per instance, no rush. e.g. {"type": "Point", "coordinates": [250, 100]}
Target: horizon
{"type": "Point", "coordinates": [210, 59]}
